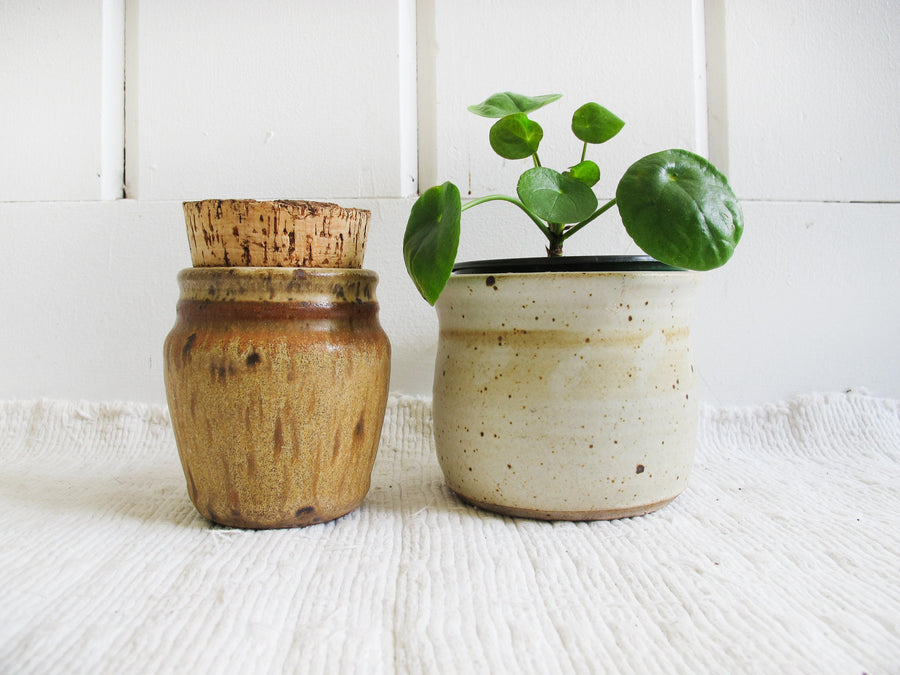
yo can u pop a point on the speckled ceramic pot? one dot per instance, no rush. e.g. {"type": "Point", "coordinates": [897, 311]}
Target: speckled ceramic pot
{"type": "Point", "coordinates": [277, 381]}
{"type": "Point", "coordinates": [566, 395]}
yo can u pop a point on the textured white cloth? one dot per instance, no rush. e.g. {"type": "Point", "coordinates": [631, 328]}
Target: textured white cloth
{"type": "Point", "coordinates": [782, 556]}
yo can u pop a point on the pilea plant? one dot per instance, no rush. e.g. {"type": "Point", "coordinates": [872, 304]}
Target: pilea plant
{"type": "Point", "coordinates": [675, 205]}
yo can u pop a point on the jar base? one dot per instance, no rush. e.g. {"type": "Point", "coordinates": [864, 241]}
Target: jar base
{"type": "Point", "coordinates": [303, 518]}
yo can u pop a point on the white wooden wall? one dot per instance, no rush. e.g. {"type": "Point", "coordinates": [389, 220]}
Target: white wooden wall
{"type": "Point", "coordinates": [113, 111]}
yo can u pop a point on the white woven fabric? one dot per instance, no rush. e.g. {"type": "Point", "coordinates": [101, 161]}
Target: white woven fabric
{"type": "Point", "coordinates": [782, 556]}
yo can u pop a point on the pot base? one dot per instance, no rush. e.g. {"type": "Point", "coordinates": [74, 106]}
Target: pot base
{"type": "Point", "coordinates": [536, 514]}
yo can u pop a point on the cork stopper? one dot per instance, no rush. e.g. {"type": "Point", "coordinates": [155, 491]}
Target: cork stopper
{"type": "Point", "coordinates": [281, 233]}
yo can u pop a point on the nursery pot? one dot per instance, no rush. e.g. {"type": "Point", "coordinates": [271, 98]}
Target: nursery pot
{"type": "Point", "coordinates": [281, 233]}
{"type": "Point", "coordinates": [564, 388]}
{"type": "Point", "coordinates": [277, 381]}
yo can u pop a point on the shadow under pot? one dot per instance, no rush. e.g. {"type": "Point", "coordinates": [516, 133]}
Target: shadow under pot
{"type": "Point", "coordinates": [277, 381]}
{"type": "Point", "coordinates": [564, 388]}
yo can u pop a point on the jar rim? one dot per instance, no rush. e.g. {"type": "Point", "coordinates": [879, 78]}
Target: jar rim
{"type": "Point", "coordinates": [319, 285]}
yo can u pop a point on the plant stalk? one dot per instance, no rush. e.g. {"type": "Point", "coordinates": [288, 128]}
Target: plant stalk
{"type": "Point", "coordinates": [599, 212]}
{"type": "Point", "coordinates": [491, 198]}
{"type": "Point", "coordinates": [555, 247]}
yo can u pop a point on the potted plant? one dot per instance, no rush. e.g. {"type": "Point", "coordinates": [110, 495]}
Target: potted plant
{"type": "Point", "coordinates": [564, 387]}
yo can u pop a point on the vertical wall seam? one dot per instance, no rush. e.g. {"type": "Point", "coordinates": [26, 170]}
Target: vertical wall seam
{"type": "Point", "coordinates": [426, 91]}
{"type": "Point", "coordinates": [717, 83]}
{"type": "Point", "coordinates": [112, 107]}
{"type": "Point", "coordinates": [701, 98]}
{"type": "Point", "coordinates": [130, 107]}
{"type": "Point", "coordinates": [408, 97]}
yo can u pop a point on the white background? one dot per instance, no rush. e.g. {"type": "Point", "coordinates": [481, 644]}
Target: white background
{"type": "Point", "coordinates": [113, 111]}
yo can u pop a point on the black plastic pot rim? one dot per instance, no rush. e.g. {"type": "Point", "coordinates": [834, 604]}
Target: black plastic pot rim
{"type": "Point", "coordinates": [581, 263]}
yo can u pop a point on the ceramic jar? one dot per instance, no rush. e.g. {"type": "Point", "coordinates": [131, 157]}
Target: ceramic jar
{"type": "Point", "coordinates": [277, 382]}
{"type": "Point", "coordinates": [566, 395]}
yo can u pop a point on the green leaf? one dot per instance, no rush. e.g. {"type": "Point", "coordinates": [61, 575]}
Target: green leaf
{"type": "Point", "coordinates": [554, 197]}
{"type": "Point", "coordinates": [586, 172]}
{"type": "Point", "coordinates": [592, 123]}
{"type": "Point", "coordinates": [515, 136]}
{"type": "Point", "coordinates": [680, 209]}
{"type": "Point", "coordinates": [508, 103]}
{"type": "Point", "coordinates": [432, 238]}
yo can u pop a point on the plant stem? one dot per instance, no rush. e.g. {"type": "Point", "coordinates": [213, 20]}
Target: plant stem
{"type": "Point", "coordinates": [599, 212]}
{"type": "Point", "coordinates": [537, 161]}
{"type": "Point", "coordinates": [491, 198]}
{"type": "Point", "coordinates": [584, 151]}
{"type": "Point", "coordinates": [555, 249]}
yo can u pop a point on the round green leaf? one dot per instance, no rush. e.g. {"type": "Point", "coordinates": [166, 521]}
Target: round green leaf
{"type": "Point", "coordinates": [554, 197]}
{"type": "Point", "coordinates": [586, 172]}
{"type": "Point", "coordinates": [516, 136]}
{"type": "Point", "coordinates": [592, 123]}
{"type": "Point", "coordinates": [508, 103]}
{"type": "Point", "coordinates": [432, 238]}
{"type": "Point", "coordinates": [680, 209]}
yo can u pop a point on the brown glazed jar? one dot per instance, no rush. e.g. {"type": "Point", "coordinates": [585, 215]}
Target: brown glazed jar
{"type": "Point", "coordinates": [277, 381]}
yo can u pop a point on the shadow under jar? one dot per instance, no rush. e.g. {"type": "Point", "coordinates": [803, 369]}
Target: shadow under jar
{"type": "Point", "coordinates": [277, 382]}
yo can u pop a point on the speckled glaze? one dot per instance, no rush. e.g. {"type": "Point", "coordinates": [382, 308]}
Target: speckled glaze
{"type": "Point", "coordinates": [277, 382]}
{"type": "Point", "coordinates": [566, 395]}
{"type": "Point", "coordinates": [280, 233]}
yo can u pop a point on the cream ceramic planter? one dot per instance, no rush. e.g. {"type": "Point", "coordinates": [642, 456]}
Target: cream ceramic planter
{"type": "Point", "coordinates": [566, 395]}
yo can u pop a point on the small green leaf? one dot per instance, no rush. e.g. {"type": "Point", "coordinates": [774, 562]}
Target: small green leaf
{"type": "Point", "coordinates": [586, 172]}
{"type": "Point", "coordinates": [680, 209]}
{"type": "Point", "coordinates": [432, 238]}
{"type": "Point", "coordinates": [592, 123]}
{"type": "Point", "coordinates": [515, 136]}
{"type": "Point", "coordinates": [508, 103]}
{"type": "Point", "coordinates": [554, 197]}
